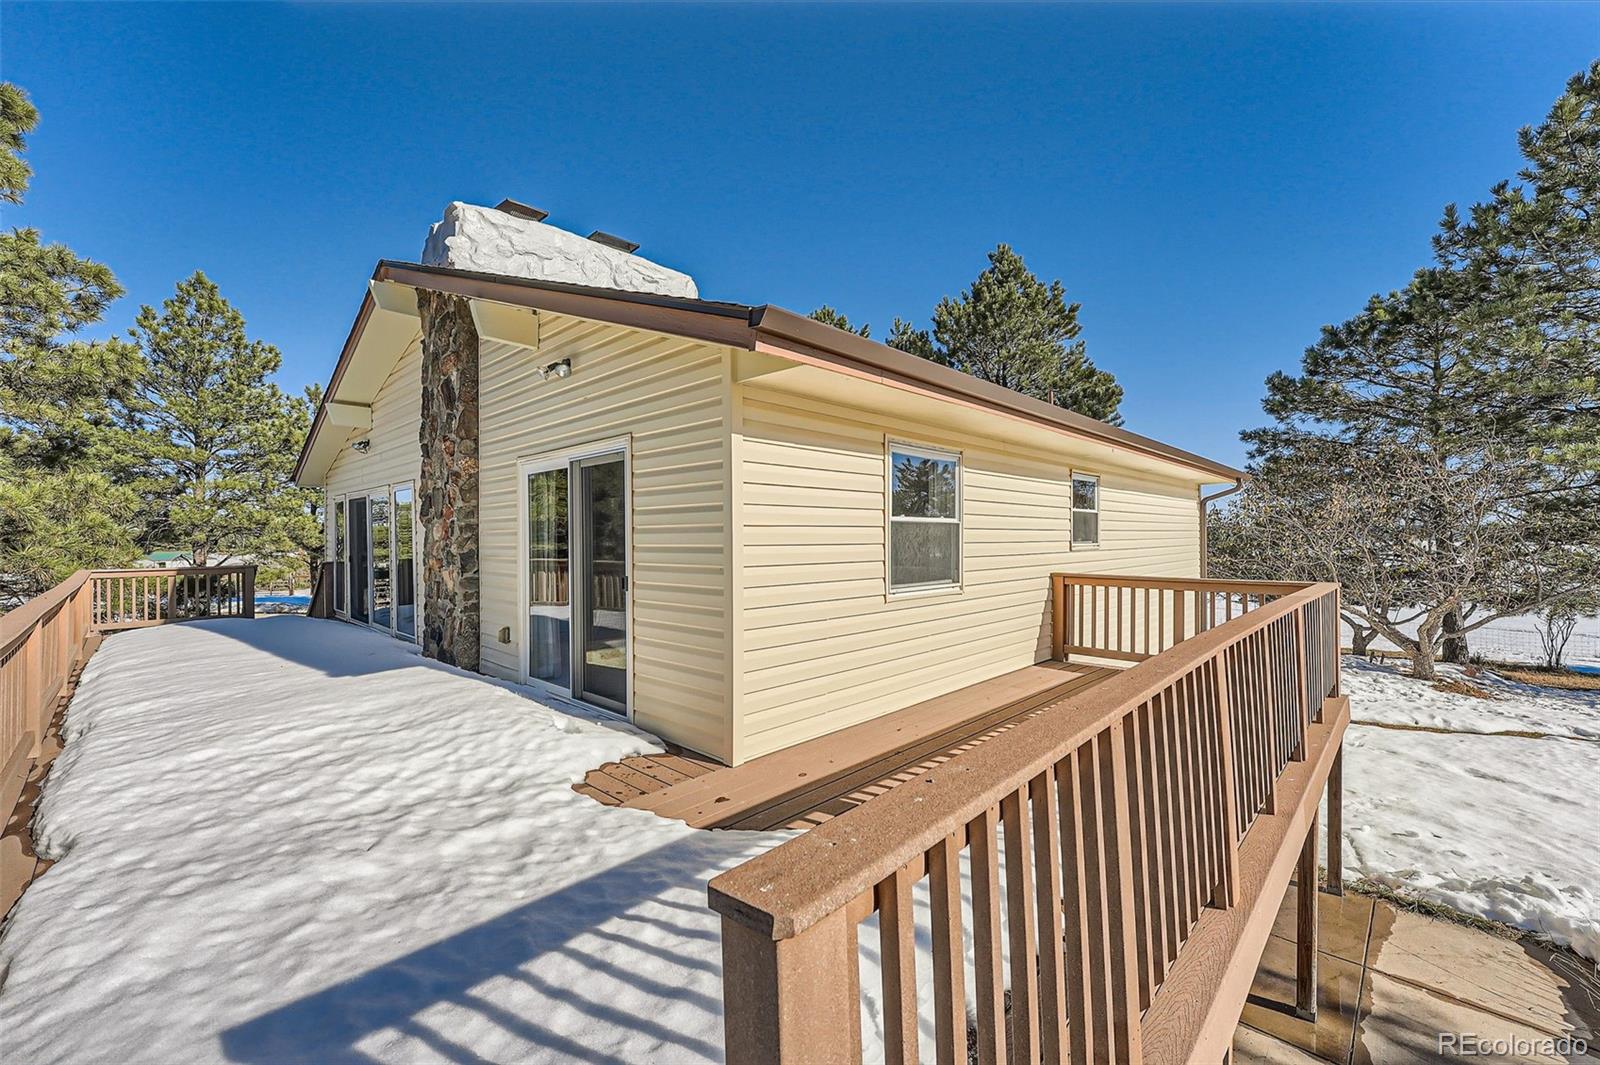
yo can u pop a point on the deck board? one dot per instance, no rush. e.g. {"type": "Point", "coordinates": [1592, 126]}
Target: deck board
{"type": "Point", "coordinates": [811, 782]}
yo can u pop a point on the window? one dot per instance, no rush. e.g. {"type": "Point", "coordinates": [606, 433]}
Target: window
{"type": "Point", "coordinates": [1085, 510]}
{"type": "Point", "coordinates": [924, 519]}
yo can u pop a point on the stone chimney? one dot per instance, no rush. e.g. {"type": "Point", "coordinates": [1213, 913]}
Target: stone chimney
{"type": "Point", "coordinates": [513, 240]}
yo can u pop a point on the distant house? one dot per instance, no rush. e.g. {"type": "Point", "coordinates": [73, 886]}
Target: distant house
{"type": "Point", "coordinates": [185, 559]}
{"type": "Point", "coordinates": [547, 459]}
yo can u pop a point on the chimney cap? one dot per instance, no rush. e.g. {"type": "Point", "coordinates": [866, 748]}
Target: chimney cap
{"type": "Point", "coordinates": [521, 210]}
{"type": "Point", "coordinates": [612, 241]}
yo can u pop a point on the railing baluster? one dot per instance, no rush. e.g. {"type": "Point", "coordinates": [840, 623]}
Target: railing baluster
{"type": "Point", "coordinates": [1138, 845]}
{"type": "Point", "coordinates": [1015, 814]}
{"type": "Point", "coordinates": [988, 972]}
{"type": "Point", "coordinates": [897, 944]}
{"type": "Point", "coordinates": [1083, 925]}
{"type": "Point", "coordinates": [1047, 874]}
{"type": "Point", "coordinates": [949, 951]}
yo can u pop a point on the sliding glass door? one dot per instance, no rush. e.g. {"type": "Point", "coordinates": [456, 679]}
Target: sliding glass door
{"type": "Point", "coordinates": [577, 539]}
{"type": "Point", "coordinates": [374, 572]}
{"type": "Point", "coordinates": [382, 552]}
{"type": "Point", "coordinates": [601, 601]}
{"type": "Point", "coordinates": [549, 599]}
{"type": "Point", "coordinates": [359, 557]}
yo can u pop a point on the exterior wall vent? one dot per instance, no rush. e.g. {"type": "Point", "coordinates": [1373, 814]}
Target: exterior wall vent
{"type": "Point", "coordinates": [616, 242]}
{"type": "Point", "coordinates": [521, 210]}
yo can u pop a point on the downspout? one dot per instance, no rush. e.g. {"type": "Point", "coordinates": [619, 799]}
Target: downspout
{"type": "Point", "coordinates": [1206, 501]}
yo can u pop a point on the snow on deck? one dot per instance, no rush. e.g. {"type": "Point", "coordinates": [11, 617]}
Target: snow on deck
{"type": "Point", "coordinates": [293, 840]}
{"type": "Point", "coordinates": [287, 840]}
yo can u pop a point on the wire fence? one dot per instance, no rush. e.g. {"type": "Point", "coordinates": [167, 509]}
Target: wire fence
{"type": "Point", "coordinates": [1524, 645]}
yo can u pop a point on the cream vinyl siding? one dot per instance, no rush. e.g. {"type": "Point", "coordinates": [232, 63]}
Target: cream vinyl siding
{"type": "Point", "coordinates": [824, 646]}
{"type": "Point", "coordinates": [670, 398]}
{"type": "Point", "coordinates": [396, 453]}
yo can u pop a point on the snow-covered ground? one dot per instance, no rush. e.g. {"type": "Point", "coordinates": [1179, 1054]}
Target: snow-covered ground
{"type": "Point", "coordinates": [1501, 827]}
{"type": "Point", "coordinates": [289, 840]}
{"type": "Point", "coordinates": [293, 840]}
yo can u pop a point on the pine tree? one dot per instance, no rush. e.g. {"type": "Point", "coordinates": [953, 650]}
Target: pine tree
{"type": "Point", "coordinates": [828, 316]}
{"type": "Point", "coordinates": [209, 440]}
{"type": "Point", "coordinates": [1534, 248]}
{"type": "Point", "coordinates": [1485, 360]}
{"type": "Point", "coordinates": [1010, 328]}
{"type": "Point", "coordinates": [58, 512]}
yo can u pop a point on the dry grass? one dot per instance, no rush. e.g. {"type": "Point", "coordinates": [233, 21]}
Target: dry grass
{"type": "Point", "coordinates": [1457, 686]}
{"type": "Point", "coordinates": [1404, 900]}
{"type": "Point", "coordinates": [1551, 678]}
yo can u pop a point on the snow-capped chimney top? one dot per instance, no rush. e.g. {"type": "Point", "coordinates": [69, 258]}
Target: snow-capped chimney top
{"type": "Point", "coordinates": [510, 240]}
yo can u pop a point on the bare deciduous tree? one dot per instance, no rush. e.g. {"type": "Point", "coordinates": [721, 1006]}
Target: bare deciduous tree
{"type": "Point", "coordinates": [1412, 536]}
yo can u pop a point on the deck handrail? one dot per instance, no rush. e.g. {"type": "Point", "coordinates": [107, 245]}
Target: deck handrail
{"type": "Point", "coordinates": [1123, 808]}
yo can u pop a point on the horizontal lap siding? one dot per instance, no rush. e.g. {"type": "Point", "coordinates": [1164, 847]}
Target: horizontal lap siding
{"type": "Point", "coordinates": [670, 396]}
{"type": "Point", "coordinates": [395, 456]}
{"type": "Point", "coordinates": [822, 647]}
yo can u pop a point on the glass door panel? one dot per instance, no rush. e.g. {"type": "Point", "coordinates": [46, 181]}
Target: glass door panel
{"type": "Point", "coordinates": [549, 585]}
{"type": "Point", "coordinates": [340, 565]}
{"type": "Point", "coordinates": [356, 522]}
{"type": "Point", "coordinates": [405, 574]}
{"type": "Point", "coordinates": [603, 538]}
{"type": "Point", "coordinates": [382, 592]}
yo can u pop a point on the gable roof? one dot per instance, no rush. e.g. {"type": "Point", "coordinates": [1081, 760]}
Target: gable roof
{"type": "Point", "coordinates": [764, 328]}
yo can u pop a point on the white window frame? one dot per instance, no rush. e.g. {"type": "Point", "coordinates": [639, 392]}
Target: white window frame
{"type": "Point", "coordinates": [921, 451]}
{"type": "Point", "coordinates": [1073, 510]}
{"type": "Point", "coordinates": [552, 460]}
{"type": "Point", "coordinates": [340, 514]}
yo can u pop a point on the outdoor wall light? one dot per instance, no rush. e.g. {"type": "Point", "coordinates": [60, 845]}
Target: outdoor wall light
{"type": "Point", "coordinates": [556, 369]}
{"type": "Point", "coordinates": [363, 445]}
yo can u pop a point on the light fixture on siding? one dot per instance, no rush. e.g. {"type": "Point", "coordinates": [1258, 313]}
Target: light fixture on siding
{"type": "Point", "coordinates": [557, 370]}
{"type": "Point", "coordinates": [363, 445]}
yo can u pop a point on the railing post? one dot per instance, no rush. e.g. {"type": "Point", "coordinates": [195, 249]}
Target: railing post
{"type": "Point", "coordinates": [33, 686]}
{"type": "Point", "coordinates": [247, 592]}
{"type": "Point", "coordinates": [1058, 617]}
{"type": "Point", "coordinates": [1305, 968]}
{"type": "Point", "coordinates": [791, 1000]}
{"type": "Point", "coordinates": [1336, 823]}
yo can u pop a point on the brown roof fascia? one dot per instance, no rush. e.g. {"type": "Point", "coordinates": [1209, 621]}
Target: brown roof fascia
{"type": "Point", "coordinates": [845, 350]}
{"type": "Point", "coordinates": [750, 328]}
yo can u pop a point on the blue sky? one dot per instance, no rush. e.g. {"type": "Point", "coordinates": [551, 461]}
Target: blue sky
{"type": "Point", "coordinates": [1211, 183]}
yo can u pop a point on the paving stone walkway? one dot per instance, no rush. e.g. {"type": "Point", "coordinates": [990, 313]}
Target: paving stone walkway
{"type": "Point", "coordinates": [1391, 982]}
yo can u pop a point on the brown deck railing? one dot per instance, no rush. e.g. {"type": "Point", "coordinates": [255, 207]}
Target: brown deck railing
{"type": "Point", "coordinates": [42, 641]}
{"type": "Point", "coordinates": [136, 598]}
{"type": "Point", "coordinates": [1119, 866]}
{"type": "Point", "coordinates": [1132, 618]}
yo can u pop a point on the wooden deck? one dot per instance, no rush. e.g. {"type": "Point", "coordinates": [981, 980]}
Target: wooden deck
{"type": "Point", "coordinates": [812, 782]}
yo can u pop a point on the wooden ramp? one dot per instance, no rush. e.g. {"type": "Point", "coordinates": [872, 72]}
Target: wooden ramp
{"type": "Point", "coordinates": [805, 785]}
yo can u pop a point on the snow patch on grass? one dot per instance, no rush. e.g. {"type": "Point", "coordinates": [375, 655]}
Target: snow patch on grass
{"type": "Point", "coordinates": [1495, 826]}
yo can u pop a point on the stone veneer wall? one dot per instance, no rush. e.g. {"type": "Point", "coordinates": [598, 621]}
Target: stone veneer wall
{"type": "Point", "coordinates": [447, 496]}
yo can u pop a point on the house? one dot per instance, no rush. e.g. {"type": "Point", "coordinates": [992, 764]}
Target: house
{"type": "Point", "coordinates": [548, 459]}
{"type": "Point", "coordinates": [185, 560]}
